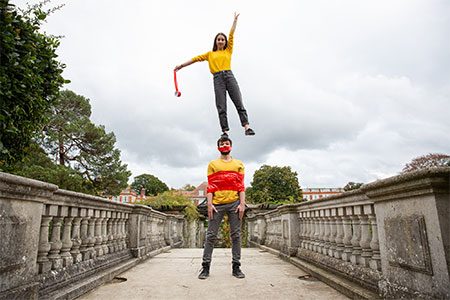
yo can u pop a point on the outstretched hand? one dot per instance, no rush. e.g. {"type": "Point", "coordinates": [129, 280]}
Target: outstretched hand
{"type": "Point", "coordinates": [236, 15]}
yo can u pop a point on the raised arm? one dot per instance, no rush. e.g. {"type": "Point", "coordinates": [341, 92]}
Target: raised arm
{"type": "Point", "coordinates": [189, 62]}
{"type": "Point", "coordinates": [233, 27]}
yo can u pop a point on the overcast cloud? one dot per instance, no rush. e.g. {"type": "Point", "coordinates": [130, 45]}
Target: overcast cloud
{"type": "Point", "coordinates": [338, 90]}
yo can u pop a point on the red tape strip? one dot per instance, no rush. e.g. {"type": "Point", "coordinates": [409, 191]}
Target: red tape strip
{"type": "Point", "coordinates": [177, 92]}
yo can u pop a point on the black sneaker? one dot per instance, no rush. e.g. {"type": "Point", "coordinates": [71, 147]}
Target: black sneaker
{"type": "Point", "coordinates": [249, 131]}
{"type": "Point", "coordinates": [204, 272]}
{"type": "Point", "coordinates": [237, 271]}
{"type": "Point", "coordinates": [224, 135]}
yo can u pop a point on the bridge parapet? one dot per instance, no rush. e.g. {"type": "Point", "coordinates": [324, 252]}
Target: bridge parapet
{"type": "Point", "coordinates": [391, 237]}
{"type": "Point", "coordinates": [54, 242]}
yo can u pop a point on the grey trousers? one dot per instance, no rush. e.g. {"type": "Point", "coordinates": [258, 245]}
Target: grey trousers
{"type": "Point", "coordinates": [235, 231]}
{"type": "Point", "coordinates": [224, 81]}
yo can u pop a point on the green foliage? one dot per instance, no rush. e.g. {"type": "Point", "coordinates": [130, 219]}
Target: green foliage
{"type": "Point", "coordinates": [173, 199]}
{"type": "Point", "coordinates": [30, 77]}
{"type": "Point", "coordinates": [352, 186]}
{"type": "Point", "coordinates": [37, 165]}
{"type": "Point", "coordinates": [277, 185]}
{"type": "Point", "coordinates": [73, 140]}
{"type": "Point", "coordinates": [188, 187]}
{"type": "Point", "coordinates": [152, 185]}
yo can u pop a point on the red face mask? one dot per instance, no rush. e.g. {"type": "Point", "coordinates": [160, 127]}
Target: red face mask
{"type": "Point", "coordinates": [224, 149]}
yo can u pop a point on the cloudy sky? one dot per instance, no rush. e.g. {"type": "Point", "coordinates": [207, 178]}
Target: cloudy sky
{"type": "Point", "coordinates": [341, 91]}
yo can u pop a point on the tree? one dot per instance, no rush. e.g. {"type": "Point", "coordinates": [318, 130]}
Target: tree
{"type": "Point", "coordinates": [427, 161]}
{"type": "Point", "coordinates": [30, 77]}
{"type": "Point", "coordinates": [274, 185]}
{"type": "Point", "coordinates": [188, 187]}
{"type": "Point", "coordinates": [352, 186]}
{"type": "Point", "coordinates": [151, 184]}
{"type": "Point", "coordinates": [72, 140]}
{"type": "Point", "coordinates": [171, 199]}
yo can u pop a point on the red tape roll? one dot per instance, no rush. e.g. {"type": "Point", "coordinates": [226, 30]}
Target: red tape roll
{"type": "Point", "coordinates": [177, 92]}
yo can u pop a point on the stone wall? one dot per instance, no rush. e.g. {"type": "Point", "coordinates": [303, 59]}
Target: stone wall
{"type": "Point", "coordinates": [391, 237]}
{"type": "Point", "coordinates": [60, 244]}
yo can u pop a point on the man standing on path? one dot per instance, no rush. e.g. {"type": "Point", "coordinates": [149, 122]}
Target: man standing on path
{"type": "Point", "coordinates": [225, 195]}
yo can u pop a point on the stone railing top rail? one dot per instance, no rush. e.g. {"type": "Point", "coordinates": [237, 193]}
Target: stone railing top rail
{"type": "Point", "coordinates": [400, 186]}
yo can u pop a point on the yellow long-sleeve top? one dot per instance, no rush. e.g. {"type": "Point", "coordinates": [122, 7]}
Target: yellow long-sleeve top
{"type": "Point", "coordinates": [225, 180]}
{"type": "Point", "coordinates": [219, 60]}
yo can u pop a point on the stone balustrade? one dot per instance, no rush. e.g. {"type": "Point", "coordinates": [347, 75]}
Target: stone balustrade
{"type": "Point", "coordinates": [391, 237]}
{"type": "Point", "coordinates": [59, 244]}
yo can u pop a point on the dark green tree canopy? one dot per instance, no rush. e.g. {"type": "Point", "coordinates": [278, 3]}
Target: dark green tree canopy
{"type": "Point", "coordinates": [73, 140]}
{"type": "Point", "coordinates": [30, 77]}
{"type": "Point", "coordinates": [152, 185]}
{"type": "Point", "coordinates": [352, 186]}
{"type": "Point", "coordinates": [273, 184]}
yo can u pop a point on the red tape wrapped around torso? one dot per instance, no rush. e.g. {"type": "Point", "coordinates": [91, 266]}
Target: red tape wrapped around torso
{"type": "Point", "coordinates": [226, 181]}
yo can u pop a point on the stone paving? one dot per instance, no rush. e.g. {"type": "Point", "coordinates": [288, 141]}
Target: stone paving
{"type": "Point", "coordinates": [173, 275]}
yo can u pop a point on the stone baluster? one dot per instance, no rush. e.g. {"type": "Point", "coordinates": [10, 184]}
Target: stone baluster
{"type": "Point", "coordinates": [111, 232]}
{"type": "Point", "coordinates": [98, 233]}
{"type": "Point", "coordinates": [321, 242]}
{"type": "Point", "coordinates": [326, 231]}
{"type": "Point", "coordinates": [67, 259]}
{"type": "Point", "coordinates": [126, 229]}
{"type": "Point", "coordinates": [91, 234]}
{"type": "Point", "coordinates": [76, 236]}
{"type": "Point", "coordinates": [356, 238]}
{"type": "Point", "coordinates": [310, 241]}
{"type": "Point", "coordinates": [333, 232]}
{"type": "Point", "coordinates": [366, 236]}
{"type": "Point", "coordinates": [375, 263]}
{"type": "Point", "coordinates": [339, 233]}
{"type": "Point", "coordinates": [315, 231]}
{"type": "Point", "coordinates": [56, 243]}
{"type": "Point", "coordinates": [43, 263]}
{"type": "Point", "coordinates": [105, 215]}
{"type": "Point", "coordinates": [347, 225]}
{"type": "Point", "coordinates": [304, 232]}
{"type": "Point", "coordinates": [116, 232]}
{"type": "Point", "coordinates": [86, 255]}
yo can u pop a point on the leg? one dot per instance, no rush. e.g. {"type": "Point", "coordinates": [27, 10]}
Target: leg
{"type": "Point", "coordinates": [211, 234]}
{"type": "Point", "coordinates": [236, 97]}
{"type": "Point", "coordinates": [221, 101]}
{"type": "Point", "coordinates": [235, 232]}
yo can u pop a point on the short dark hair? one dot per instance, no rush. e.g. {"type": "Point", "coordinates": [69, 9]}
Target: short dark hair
{"type": "Point", "coordinates": [224, 139]}
{"type": "Point", "coordinates": [226, 41]}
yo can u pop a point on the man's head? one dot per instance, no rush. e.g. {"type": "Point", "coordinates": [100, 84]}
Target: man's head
{"type": "Point", "coordinates": [224, 145]}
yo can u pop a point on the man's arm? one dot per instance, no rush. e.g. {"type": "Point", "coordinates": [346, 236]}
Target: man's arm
{"type": "Point", "coordinates": [241, 208]}
{"type": "Point", "coordinates": [211, 208]}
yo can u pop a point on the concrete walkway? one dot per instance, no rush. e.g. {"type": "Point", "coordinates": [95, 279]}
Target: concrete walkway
{"type": "Point", "coordinates": [173, 275]}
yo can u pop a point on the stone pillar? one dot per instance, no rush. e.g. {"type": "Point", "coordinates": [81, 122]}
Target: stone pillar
{"type": "Point", "coordinates": [320, 238]}
{"type": "Point", "coordinates": [366, 236]}
{"type": "Point", "coordinates": [91, 234]}
{"type": "Point", "coordinates": [413, 222]}
{"type": "Point", "coordinates": [43, 263]}
{"type": "Point", "coordinates": [98, 233]}
{"type": "Point", "coordinates": [111, 232]}
{"type": "Point", "coordinates": [326, 232]}
{"type": "Point", "coordinates": [86, 255]}
{"type": "Point", "coordinates": [356, 253]}
{"type": "Point", "coordinates": [289, 230]}
{"type": "Point", "coordinates": [55, 240]}
{"type": "Point", "coordinates": [347, 240]}
{"type": "Point", "coordinates": [21, 210]}
{"type": "Point", "coordinates": [375, 262]}
{"type": "Point", "coordinates": [339, 233]}
{"type": "Point", "coordinates": [76, 237]}
{"type": "Point", "coordinates": [104, 216]}
{"type": "Point", "coordinates": [316, 242]}
{"type": "Point", "coordinates": [333, 232]}
{"type": "Point", "coordinates": [67, 259]}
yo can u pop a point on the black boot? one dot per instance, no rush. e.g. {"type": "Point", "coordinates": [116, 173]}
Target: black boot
{"type": "Point", "coordinates": [237, 271]}
{"type": "Point", "coordinates": [205, 271]}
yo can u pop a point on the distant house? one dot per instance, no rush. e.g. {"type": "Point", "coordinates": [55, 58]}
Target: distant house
{"type": "Point", "coordinates": [129, 196]}
{"type": "Point", "coordinates": [198, 194]}
{"type": "Point", "coordinates": [318, 193]}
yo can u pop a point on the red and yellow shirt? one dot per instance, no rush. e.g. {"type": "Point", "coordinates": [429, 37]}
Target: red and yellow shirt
{"type": "Point", "coordinates": [225, 180]}
{"type": "Point", "coordinates": [219, 60]}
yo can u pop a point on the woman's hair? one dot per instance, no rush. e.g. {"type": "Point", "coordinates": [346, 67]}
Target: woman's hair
{"type": "Point", "coordinates": [226, 41]}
